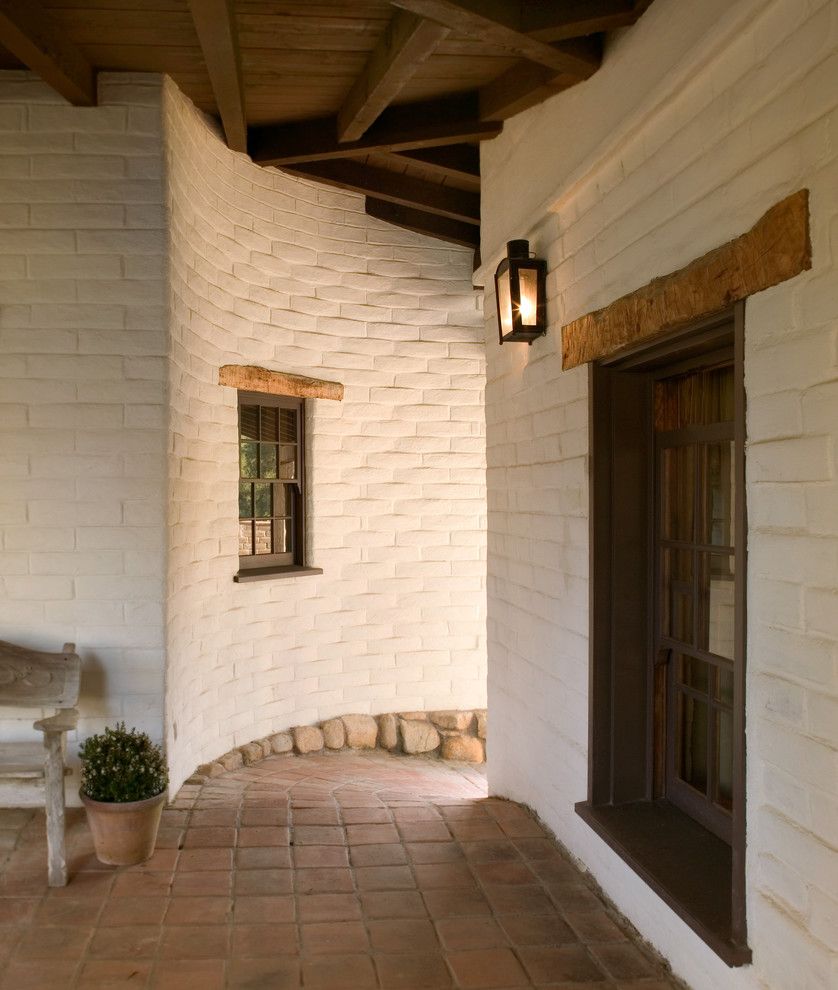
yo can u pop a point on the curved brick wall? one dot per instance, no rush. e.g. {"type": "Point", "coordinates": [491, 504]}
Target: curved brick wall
{"type": "Point", "coordinates": [270, 270]}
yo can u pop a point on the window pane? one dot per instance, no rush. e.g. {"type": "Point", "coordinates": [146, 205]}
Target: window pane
{"type": "Point", "coordinates": [718, 395]}
{"type": "Point", "coordinates": [262, 500]}
{"type": "Point", "coordinates": [282, 536]}
{"type": "Point", "coordinates": [250, 422]}
{"type": "Point", "coordinates": [717, 632]}
{"type": "Point", "coordinates": [724, 759]}
{"type": "Point", "coordinates": [720, 494]}
{"type": "Point", "coordinates": [267, 460]}
{"type": "Point", "coordinates": [270, 429]}
{"type": "Point", "coordinates": [249, 460]}
{"type": "Point", "coordinates": [695, 673]}
{"type": "Point", "coordinates": [288, 463]}
{"type": "Point", "coordinates": [262, 536]}
{"type": "Point", "coordinates": [677, 493]}
{"type": "Point", "coordinates": [692, 736]}
{"type": "Point", "coordinates": [245, 538]}
{"type": "Point", "coordinates": [677, 595]}
{"type": "Point", "coordinates": [245, 500]}
{"type": "Point", "coordinates": [288, 425]}
{"type": "Point", "coordinates": [284, 500]}
{"type": "Point", "coordinates": [724, 691]}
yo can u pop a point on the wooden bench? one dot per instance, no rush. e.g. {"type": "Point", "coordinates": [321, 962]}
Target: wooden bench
{"type": "Point", "coordinates": [29, 679]}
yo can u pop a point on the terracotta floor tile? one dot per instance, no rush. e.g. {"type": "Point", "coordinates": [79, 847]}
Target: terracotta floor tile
{"type": "Point", "coordinates": [510, 872]}
{"type": "Point", "coordinates": [328, 907]}
{"type": "Point", "coordinates": [60, 942]}
{"type": "Point", "coordinates": [623, 961]}
{"type": "Point", "coordinates": [170, 838]}
{"type": "Point", "coordinates": [199, 911]}
{"type": "Point", "coordinates": [334, 936]}
{"type": "Point", "coordinates": [81, 885]}
{"type": "Point", "coordinates": [538, 848]}
{"type": "Point", "coordinates": [419, 813]}
{"type": "Point", "coordinates": [425, 832]}
{"type": "Point", "coordinates": [522, 899]}
{"type": "Point", "coordinates": [521, 828]}
{"type": "Point", "coordinates": [109, 974]}
{"type": "Point", "coordinates": [385, 878]}
{"type": "Point", "coordinates": [315, 816]}
{"type": "Point", "coordinates": [471, 933]}
{"type": "Point", "coordinates": [262, 882]}
{"type": "Point", "coordinates": [483, 968]}
{"type": "Point", "coordinates": [211, 884]}
{"type": "Point", "coordinates": [125, 942]}
{"type": "Point", "coordinates": [554, 870]}
{"type": "Point", "coordinates": [362, 835]}
{"type": "Point", "coordinates": [194, 974]}
{"type": "Point", "coordinates": [214, 817]}
{"type": "Point", "coordinates": [195, 942]}
{"type": "Point", "coordinates": [453, 903]}
{"type": "Point", "coordinates": [403, 935]}
{"type": "Point", "coordinates": [432, 875]}
{"type": "Point", "coordinates": [38, 975]}
{"type": "Point", "coordinates": [263, 974]}
{"type": "Point", "coordinates": [571, 897]}
{"type": "Point", "coordinates": [537, 929]}
{"type": "Point", "coordinates": [386, 854]}
{"type": "Point", "coordinates": [17, 910]}
{"type": "Point", "coordinates": [491, 851]}
{"type": "Point", "coordinates": [561, 964]}
{"type": "Point", "coordinates": [352, 972]}
{"type": "Point", "coordinates": [393, 904]}
{"type": "Point", "coordinates": [319, 856]}
{"type": "Point", "coordinates": [64, 911]}
{"type": "Point", "coordinates": [264, 816]}
{"type": "Point", "coordinates": [247, 910]}
{"type": "Point", "coordinates": [262, 857]}
{"type": "Point", "coordinates": [264, 940]}
{"type": "Point", "coordinates": [198, 838]}
{"type": "Point", "coordinates": [412, 971]}
{"type": "Point", "coordinates": [366, 816]}
{"type": "Point", "coordinates": [198, 860]}
{"type": "Point", "coordinates": [325, 880]}
{"type": "Point", "coordinates": [477, 831]}
{"type": "Point", "coordinates": [319, 835]}
{"type": "Point", "coordinates": [434, 852]}
{"type": "Point", "coordinates": [594, 926]}
{"type": "Point", "coordinates": [133, 911]}
{"type": "Point", "coordinates": [141, 885]}
{"type": "Point", "coordinates": [263, 835]}
{"type": "Point", "coordinates": [160, 861]}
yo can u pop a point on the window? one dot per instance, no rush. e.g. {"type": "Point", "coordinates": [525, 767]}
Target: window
{"type": "Point", "coordinates": [667, 741]}
{"type": "Point", "coordinates": [271, 486]}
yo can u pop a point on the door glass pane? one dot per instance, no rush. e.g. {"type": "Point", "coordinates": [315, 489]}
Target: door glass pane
{"type": "Point", "coordinates": [724, 759]}
{"type": "Point", "coordinates": [677, 596]}
{"type": "Point", "coordinates": [695, 673]}
{"type": "Point", "coordinates": [250, 422]}
{"type": "Point", "coordinates": [262, 536]}
{"type": "Point", "coordinates": [245, 499]}
{"type": "Point", "coordinates": [693, 716]}
{"type": "Point", "coordinates": [717, 624]}
{"type": "Point", "coordinates": [288, 463]}
{"type": "Point", "coordinates": [246, 537]}
{"type": "Point", "coordinates": [262, 501]}
{"type": "Point", "coordinates": [270, 426]}
{"type": "Point", "coordinates": [677, 493]}
{"type": "Point", "coordinates": [720, 494]}
{"type": "Point", "coordinates": [724, 690]}
{"type": "Point", "coordinates": [267, 460]}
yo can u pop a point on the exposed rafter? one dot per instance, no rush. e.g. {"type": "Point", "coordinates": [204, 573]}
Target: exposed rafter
{"type": "Point", "coordinates": [420, 222]}
{"type": "Point", "coordinates": [522, 86]}
{"type": "Point", "coordinates": [445, 201]}
{"type": "Point", "coordinates": [420, 125]}
{"type": "Point", "coordinates": [32, 36]}
{"type": "Point", "coordinates": [576, 18]}
{"type": "Point", "coordinates": [460, 162]}
{"type": "Point", "coordinates": [405, 45]}
{"type": "Point", "coordinates": [215, 25]}
{"type": "Point", "coordinates": [499, 23]}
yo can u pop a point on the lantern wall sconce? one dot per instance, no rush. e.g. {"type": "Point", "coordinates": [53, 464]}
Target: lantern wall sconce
{"type": "Point", "coordinates": [521, 293]}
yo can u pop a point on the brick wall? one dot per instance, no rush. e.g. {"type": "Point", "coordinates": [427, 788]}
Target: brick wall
{"type": "Point", "coordinates": [702, 117]}
{"type": "Point", "coordinates": [82, 390]}
{"type": "Point", "coordinates": [279, 272]}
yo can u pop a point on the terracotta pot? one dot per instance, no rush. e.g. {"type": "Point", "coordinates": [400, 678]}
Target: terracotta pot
{"type": "Point", "coordinates": [124, 833]}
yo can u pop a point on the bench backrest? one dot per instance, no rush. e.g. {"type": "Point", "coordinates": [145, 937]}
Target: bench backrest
{"type": "Point", "coordinates": [30, 679]}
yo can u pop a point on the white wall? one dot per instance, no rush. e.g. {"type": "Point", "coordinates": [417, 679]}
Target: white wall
{"type": "Point", "coordinates": [703, 116]}
{"type": "Point", "coordinates": [82, 390]}
{"type": "Point", "coordinates": [279, 272]}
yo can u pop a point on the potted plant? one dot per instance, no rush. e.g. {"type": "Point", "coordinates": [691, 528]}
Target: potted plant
{"type": "Point", "coordinates": [123, 788]}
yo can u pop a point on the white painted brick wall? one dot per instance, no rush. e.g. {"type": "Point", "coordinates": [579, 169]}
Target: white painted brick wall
{"type": "Point", "coordinates": [271, 270]}
{"type": "Point", "coordinates": [702, 117]}
{"type": "Point", "coordinates": [82, 391]}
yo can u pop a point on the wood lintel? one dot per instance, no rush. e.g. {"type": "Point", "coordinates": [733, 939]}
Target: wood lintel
{"type": "Point", "coordinates": [776, 248]}
{"type": "Point", "coordinates": [249, 378]}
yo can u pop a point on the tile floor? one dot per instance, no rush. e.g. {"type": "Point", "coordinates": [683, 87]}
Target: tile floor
{"type": "Point", "coordinates": [328, 871]}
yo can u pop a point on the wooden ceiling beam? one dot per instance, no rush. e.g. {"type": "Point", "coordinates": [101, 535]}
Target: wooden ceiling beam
{"type": "Point", "coordinates": [550, 22]}
{"type": "Point", "coordinates": [215, 24]}
{"type": "Point", "coordinates": [522, 86]}
{"type": "Point", "coordinates": [419, 222]}
{"type": "Point", "coordinates": [404, 190]}
{"type": "Point", "coordinates": [34, 38]}
{"type": "Point", "coordinates": [402, 128]}
{"type": "Point", "coordinates": [406, 43]}
{"type": "Point", "coordinates": [460, 162]}
{"type": "Point", "coordinates": [499, 23]}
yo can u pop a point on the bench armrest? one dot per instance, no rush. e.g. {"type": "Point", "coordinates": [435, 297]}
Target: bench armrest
{"type": "Point", "coordinates": [64, 721]}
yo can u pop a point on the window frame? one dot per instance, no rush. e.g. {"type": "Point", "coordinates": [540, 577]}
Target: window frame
{"type": "Point", "coordinates": [624, 794]}
{"type": "Point", "coordinates": [254, 567]}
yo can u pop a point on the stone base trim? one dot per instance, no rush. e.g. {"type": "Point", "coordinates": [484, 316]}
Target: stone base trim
{"type": "Point", "coordinates": [448, 735]}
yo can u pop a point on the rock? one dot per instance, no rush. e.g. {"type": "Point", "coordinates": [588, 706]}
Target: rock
{"type": "Point", "coordinates": [251, 753]}
{"type": "Point", "coordinates": [196, 778]}
{"type": "Point", "coordinates": [334, 734]}
{"type": "Point", "coordinates": [210, 770]}
{"type": "Point", "coordinates": [307, 738]}
{"type": "Point", "coordinates": [361, 731]}
{"type": "Point", "coordinates": [282, 742]}
{"type": "Point", "coordinates": [414, 716]}
{"type": "Point", "coordinates": [418, 737]}
{"type": "Point", "coordinates": [232, 760]}
{"type": "Point", "coordinates": [388, 731]}
{"type": "Point", "coordinates": [481, 725]}
{"type": "Point", "coordinates": [452, 720]}
{"type": "Point", "coordinates": [266, 746]}
{"type": "Point", "coordinates": [466, 749]}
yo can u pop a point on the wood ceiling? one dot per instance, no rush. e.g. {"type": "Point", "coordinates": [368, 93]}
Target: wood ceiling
{"type": "Point", "coordinates": [389, 98]}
